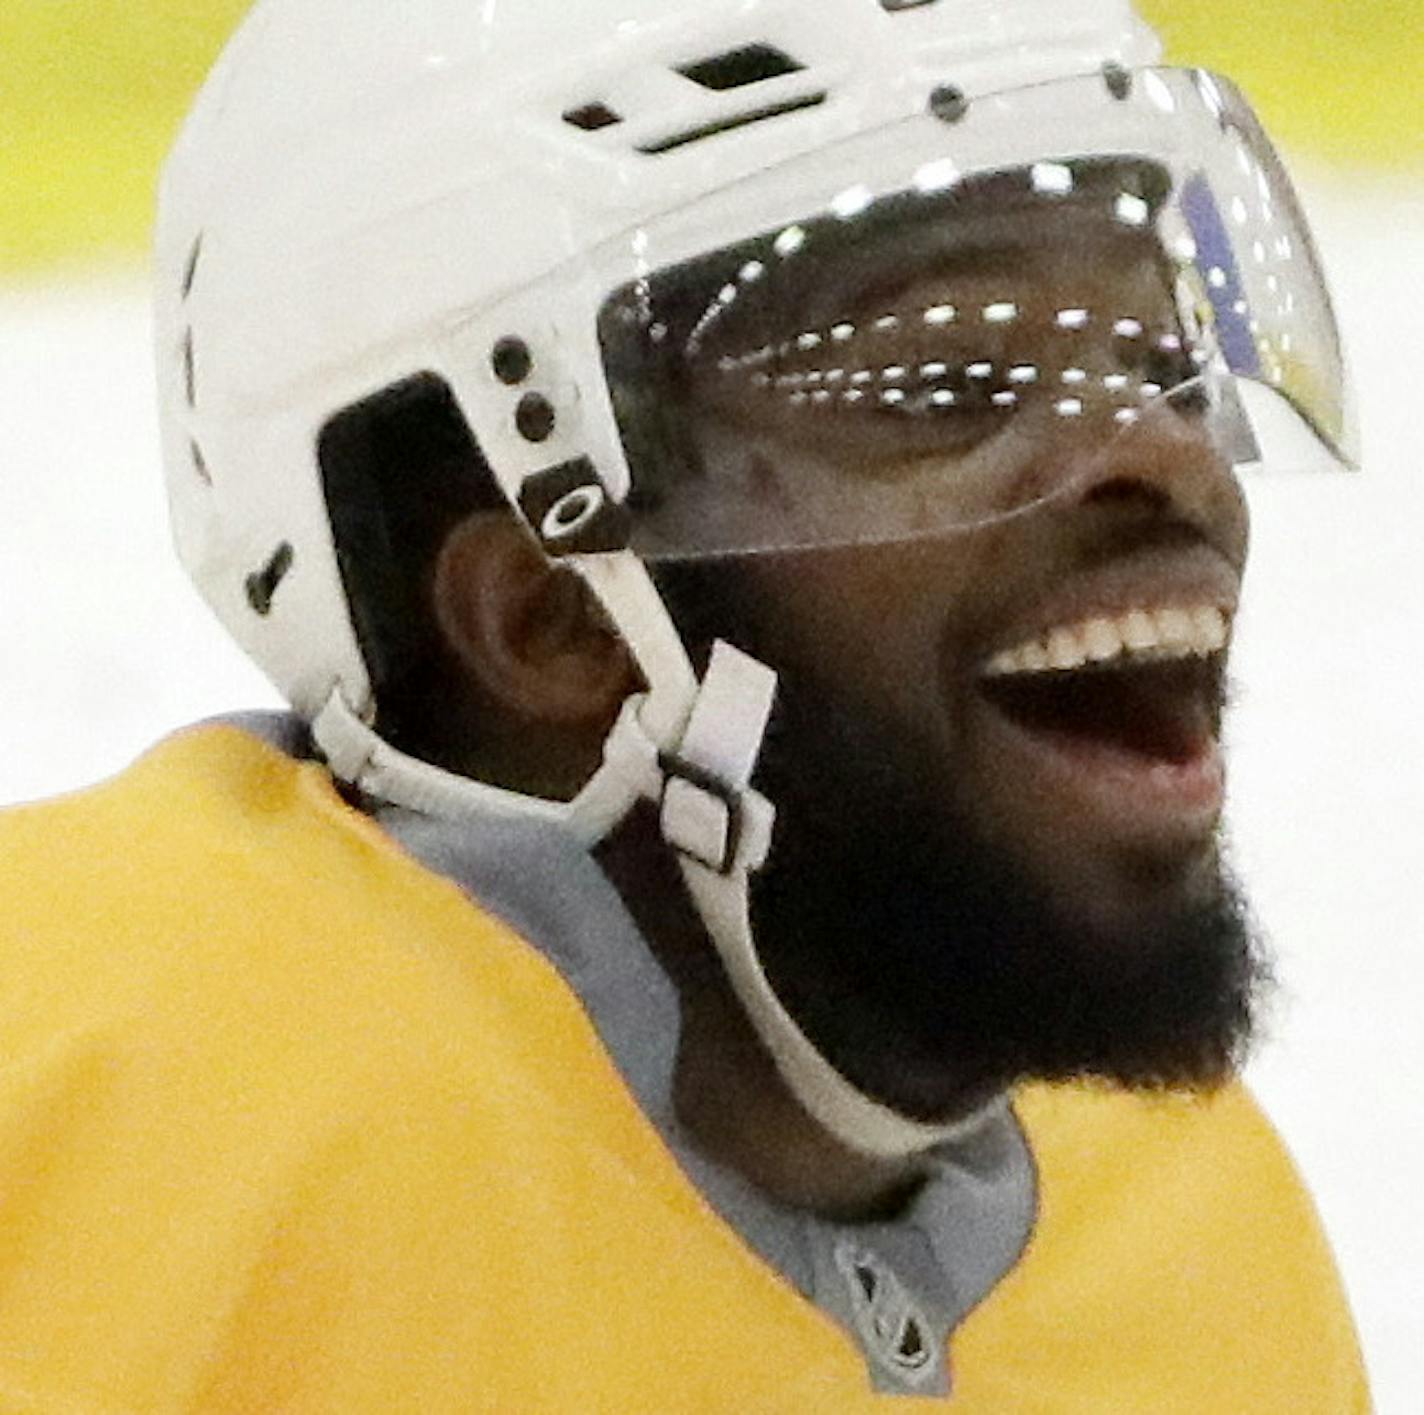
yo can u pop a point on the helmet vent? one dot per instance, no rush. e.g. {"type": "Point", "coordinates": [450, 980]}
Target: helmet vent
{"type": "Point", "coordinates": [896, 5]}
{"type": "Point", "coordinates": [592, 117]}
{"type": "Point", "coordinates": [262, 587]}
{"type": "Point", "coordinates": [190, 271]}
{"type": "Point", "coordinates": [729, 124]}
{"type": "Point", "coordinates": [737, 68]}
{"type": "Point", "coordinates": [190, 370]}
{"type": "Point", "coordinates": [1118, 80]}
{"type": "Point", "coordinates": [536, 418]}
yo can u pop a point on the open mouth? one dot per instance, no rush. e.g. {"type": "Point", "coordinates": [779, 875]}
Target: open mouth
{"type": "Point", "coordinates": [1126, 709]}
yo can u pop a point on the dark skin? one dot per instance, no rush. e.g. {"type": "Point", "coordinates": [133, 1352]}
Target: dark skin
{"type": "Point", "coordinates": [1150, 511]}
{"type": "Point", "coordinates": [1144, 515]}
{"type": "Point", "coordinates": [543, 673]}
{"type": "Point", "coordinates": [540, 654]}
{"type": "Point", "coordinates": [550, 678]}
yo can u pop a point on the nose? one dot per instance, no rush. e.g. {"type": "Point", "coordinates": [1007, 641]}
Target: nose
{"type": "Point", "coordinates": [1166, 461]}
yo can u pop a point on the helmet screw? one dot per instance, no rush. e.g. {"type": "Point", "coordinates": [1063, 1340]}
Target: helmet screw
{"type": "Point", "coordinates": [1118, 79]}
{"type": "Point", "coordinates": [948, 103]}
{"type": "Point", "coordinates": [512, 361]}
{"type": "Point", "coordinates": [536, 418]}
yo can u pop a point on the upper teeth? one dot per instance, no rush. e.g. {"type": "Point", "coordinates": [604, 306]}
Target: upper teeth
{"type": "Point", "coordinates": [1160, 633]}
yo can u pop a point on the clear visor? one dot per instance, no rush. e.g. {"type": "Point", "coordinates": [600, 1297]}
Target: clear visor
{"type": "Point", "coordinates": [935, 326]}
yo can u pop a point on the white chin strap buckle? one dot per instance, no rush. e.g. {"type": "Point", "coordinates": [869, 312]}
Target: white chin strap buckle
{"type": "Point", "coordinates": [726, 830]}
{"type": "Point", "coordinates": [710, 814]}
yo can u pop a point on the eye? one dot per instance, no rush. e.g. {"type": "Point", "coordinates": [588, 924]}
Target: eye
{"type": "Point", "coordinates": [1168, 367]}
{"type": "Point", "coordinates": [1172, 366]}
{"type": "Point", "coordinates": [1194, 401]}
{"type": "Point", "coordinates": [960, 397]}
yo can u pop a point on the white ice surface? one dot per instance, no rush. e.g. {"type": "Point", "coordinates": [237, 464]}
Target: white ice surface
{"type": "Point", "coordinates": [105, 648]}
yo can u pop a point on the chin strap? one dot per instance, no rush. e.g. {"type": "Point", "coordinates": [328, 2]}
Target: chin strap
{"type": "Point", "coordinates": [719, 827]}
{"type": "Point", "coordinates": [721, 830]}
{"type": "Point", "coordinates": [356, 753]}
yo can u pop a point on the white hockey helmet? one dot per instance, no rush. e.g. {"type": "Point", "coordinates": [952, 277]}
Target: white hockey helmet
{"type": "Point", "coordinates": [593, 233]}
{"type": "Point", "coordinates": [522, 201]}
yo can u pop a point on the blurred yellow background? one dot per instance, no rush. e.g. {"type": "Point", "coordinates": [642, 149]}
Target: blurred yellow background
{"type": "Point", "coordinates": [92, 91]}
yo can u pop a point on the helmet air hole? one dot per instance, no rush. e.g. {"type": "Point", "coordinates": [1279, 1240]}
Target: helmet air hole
{"type": "Point", "coordinates": [536, 418]}
{"type": "Point", "coordinates": [512, 361]}
{"type": "Point", "coordinates": [190, 271]}
{"type": "Point", "coordinates": [1118, 80]}
{"type": "Point", "coordinates": [591, 117]}
{"type": "Point", "coordinates": [752, 64]}
{"type": "Point", "coordinates": [949, 103]}
{"type": "Point", "coordinates": [200, 464]}
{"type": "Point", "coordinates": [896, 5]}
{"type": "Point", "coordinates": [659, 146]}
{"type": "Point", "coordinates": [263, 586]}
{"type": "Point", "coordinates": [190, 374]}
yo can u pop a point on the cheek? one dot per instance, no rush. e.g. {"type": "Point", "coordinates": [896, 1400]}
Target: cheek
{"type": "Point", "coordinates": [877, 635]}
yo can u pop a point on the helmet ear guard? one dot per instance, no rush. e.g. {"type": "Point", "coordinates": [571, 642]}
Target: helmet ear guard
{"type": "Point", "coordinates": [401, 470]}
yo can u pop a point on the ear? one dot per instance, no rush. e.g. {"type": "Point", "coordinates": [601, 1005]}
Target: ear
{"type": "Point", "coordinates": [530, 634]}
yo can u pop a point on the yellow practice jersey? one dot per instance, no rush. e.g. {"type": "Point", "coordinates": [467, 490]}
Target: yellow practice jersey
{"type": "Point", "coordinates": [288, 1123]}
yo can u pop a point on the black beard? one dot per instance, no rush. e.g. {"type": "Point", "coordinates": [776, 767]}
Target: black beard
{"type": "Point", "coordinates": [934, 971]}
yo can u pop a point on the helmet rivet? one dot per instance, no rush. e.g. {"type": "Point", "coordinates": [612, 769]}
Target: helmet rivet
{"type": "Point", "coordinates": [948, 103]}
{"type": "Point", "coordinates": [573, 512]}
{"type": "Point", "coordinates": [536, 418]}
{"type": "Point", "coordinates": [1118, 80]}
{"type": "Point", "coordinates": [512, 361]}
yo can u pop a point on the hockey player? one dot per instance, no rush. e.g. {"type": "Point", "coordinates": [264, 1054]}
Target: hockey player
{"type": "Point", "coordinates": [742, 499]}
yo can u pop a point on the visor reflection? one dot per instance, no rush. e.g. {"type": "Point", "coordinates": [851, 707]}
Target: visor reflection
{"type": "Point", "coordinates": [849, 375]}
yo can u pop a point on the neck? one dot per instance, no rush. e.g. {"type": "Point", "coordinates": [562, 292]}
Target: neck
{"type": "Point", "coordinates": [727, 1089]}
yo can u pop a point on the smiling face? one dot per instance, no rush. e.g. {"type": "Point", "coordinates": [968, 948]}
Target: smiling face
{"type": "Point", "coordinates": [1057, 677]}
{"type": "Point", "coordinates": [997, 761]}
{"type": "Point", "coordinates": [986, 871]}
